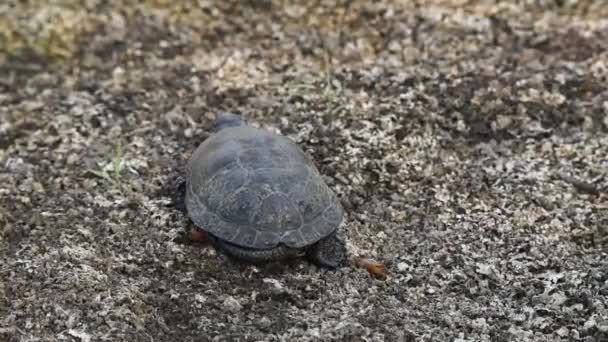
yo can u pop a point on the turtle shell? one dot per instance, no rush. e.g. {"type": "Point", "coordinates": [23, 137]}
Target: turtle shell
{"type": "Point", "coordinates": [257, 189]}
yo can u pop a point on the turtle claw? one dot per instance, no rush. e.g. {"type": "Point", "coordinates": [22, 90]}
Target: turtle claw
{"type": "Point", "coordinates": [374, 268]}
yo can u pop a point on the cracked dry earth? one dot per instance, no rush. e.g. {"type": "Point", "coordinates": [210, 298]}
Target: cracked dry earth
{"type": "Point", "coordinates": [468, 145]}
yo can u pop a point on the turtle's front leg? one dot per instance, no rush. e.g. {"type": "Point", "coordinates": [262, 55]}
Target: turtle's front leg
{"type": "Point", "coordinates": [329, 252]}
{"type": "Point", "coordinates": [177, 189]}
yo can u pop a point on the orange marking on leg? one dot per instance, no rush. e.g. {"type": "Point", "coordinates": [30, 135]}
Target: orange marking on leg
{"type": "Point", "coordinates": [374, 268]}
{"type": "Point", "coordinates": [198, 235]}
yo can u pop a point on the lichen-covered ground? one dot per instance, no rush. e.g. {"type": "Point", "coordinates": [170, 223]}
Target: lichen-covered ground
{"type": "Point", "coordinates": [466, 139]}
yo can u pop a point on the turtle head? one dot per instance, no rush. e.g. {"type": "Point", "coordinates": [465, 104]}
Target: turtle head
{"type": "Point", "coordinates": [225, 120]}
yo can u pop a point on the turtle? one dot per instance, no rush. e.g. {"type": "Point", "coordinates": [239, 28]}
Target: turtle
{"type": "Point", "coordinates": [258, 197]}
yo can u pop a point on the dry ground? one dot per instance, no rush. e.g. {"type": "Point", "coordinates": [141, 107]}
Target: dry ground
{"type": "Point", "coordinates": [466, 139]}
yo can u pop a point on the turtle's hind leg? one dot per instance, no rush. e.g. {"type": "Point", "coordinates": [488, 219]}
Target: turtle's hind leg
{"type": "Point", "coordinates": [329, 252]}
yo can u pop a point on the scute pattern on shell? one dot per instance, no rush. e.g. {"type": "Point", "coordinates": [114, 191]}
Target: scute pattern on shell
{"type": "Point", "coordinates": [256, 189]}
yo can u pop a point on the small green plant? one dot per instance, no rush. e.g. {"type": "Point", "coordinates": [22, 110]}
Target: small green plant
{"type": "Point", "coordinates": [117, 162]}
{"type": "Point", "coordinates": [112, 171]}
{"type": "Point", "coordinates": [296, 87]}
{"type": "Point", "coordinates": [332, 94]}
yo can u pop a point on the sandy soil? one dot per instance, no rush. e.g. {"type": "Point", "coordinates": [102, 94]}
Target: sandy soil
{"type": "Point", "coordinates": [467, 141]}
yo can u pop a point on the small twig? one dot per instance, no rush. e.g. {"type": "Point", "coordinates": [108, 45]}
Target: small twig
{"type": "Point", "coordinates": [116, 162]}
{"type": "Point", "coordinates": [341, 20]}
{"type": "Point", "coordinates": [218, 67]}
{"type": "Point", "coordinates": [579, 184]}
{"type": "Point", "coordinates": [21, 67]}
{"type": "Point", "coordinates": [415, 35]}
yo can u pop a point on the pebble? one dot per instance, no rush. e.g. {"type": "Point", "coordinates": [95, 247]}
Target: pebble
{"type": "Point", "coordinates": [232, 304]}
